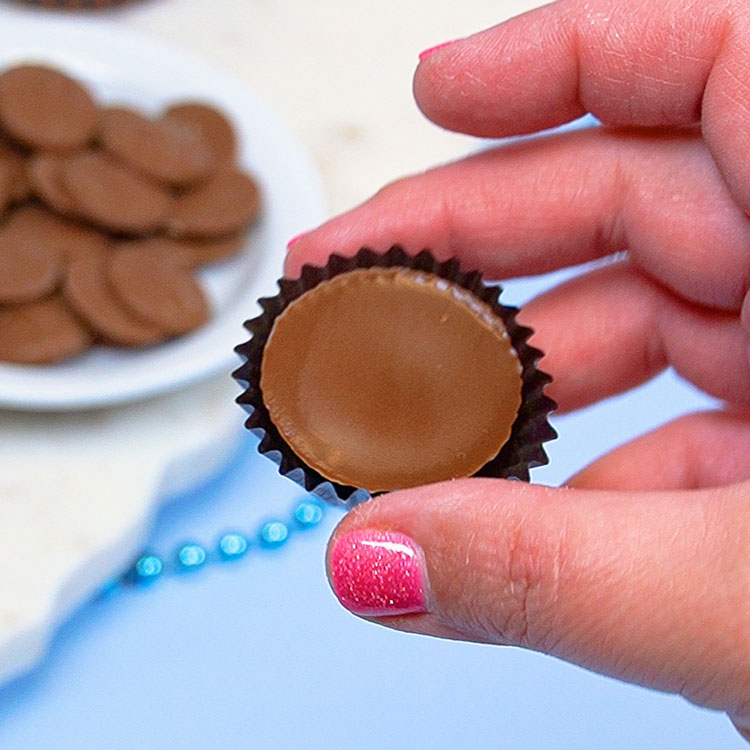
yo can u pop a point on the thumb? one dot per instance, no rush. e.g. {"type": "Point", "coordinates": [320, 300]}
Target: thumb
{"type": "Point", "coordinates": [649, 587]}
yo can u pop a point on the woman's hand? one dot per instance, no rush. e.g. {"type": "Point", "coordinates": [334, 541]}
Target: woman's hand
{"type": "Point", "coordinates": [640, 567]}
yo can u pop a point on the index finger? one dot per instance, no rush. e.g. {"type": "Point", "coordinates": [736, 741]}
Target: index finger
{"type": "Point", "coordinates": [544, 204]}
{"type": "Point", "coordinates": [630, 63]}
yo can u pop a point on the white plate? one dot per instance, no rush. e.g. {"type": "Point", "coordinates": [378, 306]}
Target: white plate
{"type": "Point", "coordinates": [124, 67]}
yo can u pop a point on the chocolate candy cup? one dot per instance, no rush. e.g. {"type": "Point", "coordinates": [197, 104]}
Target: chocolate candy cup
{"type": "Point", "coordinates": [511, 458]}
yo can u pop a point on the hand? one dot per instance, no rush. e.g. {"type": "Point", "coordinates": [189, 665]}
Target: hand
{"type": "Point", "coordinates": [640, 567]}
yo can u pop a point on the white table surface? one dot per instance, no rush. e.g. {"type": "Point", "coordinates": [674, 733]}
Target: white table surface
{"type": "Point", "coordinates": [339, 72]}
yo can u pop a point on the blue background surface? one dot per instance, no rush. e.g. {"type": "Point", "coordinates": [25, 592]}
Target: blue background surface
{"type": "Point", "coordinates": [258, 654]}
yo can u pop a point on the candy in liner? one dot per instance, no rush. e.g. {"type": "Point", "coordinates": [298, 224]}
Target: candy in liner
{"type": "Point", "coordinates": [512, 458]}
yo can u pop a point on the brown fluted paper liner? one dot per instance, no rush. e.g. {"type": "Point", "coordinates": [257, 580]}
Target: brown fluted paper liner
{"type": "Point", "coordinates": [522, 451]}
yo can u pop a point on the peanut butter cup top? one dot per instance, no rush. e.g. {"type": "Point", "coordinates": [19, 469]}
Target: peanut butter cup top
{"type": "Point", "coordinates": [386, 378]}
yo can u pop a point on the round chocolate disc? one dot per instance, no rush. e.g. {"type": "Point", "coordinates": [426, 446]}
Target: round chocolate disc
{"type": "Point", "coordinates": [35, 225]}
{"type": "Point", "coordinates": [157, 291]}
{"type": "Point", "coordinates": [40, 333]}
{"type": "Point", "coordinates": [44, 109]}
{"type": "Point", "coordinates": [159, 248]}
{"type": "Point", "coordinates": [113, 196]}
{"type": "Point", "coordinates": [204, 252]}
{"type": "Point", "coordinates": [386, 378]}
{"type": "Point", "coordinates": [27, 224]}
{"type": "Point", "coordinates": [21, 185]}
{"type": "Point", "coordinates": [74, 240]}
{"type": "Point", "coordinates": [164, 149]}
{"type": "Point", "coordinates": [187, 253]}
{"type": "Point", "coordinates": [226, 204]}
{"type": "Point", "coordinates": [88, 293]}
{"type": "Point", "coordinates": [7, 182]}
{"type": "Point", "coordinates": [29, 268]}
{"type": "Point", "coordinates": [45, 177]}
{"type": "Point", "coordinates": [211, 124]}
{"type": "Point", "coordinates": [14, 165]}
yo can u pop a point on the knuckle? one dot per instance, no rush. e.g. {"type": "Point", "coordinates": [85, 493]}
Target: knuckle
{"type": "Point", "coordinates": [395, 191]}
{"type": "Point", "coordinates": [535, 563]}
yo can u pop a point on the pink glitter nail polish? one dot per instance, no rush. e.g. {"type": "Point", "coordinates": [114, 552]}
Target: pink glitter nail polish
{"type": "Point", "coordinates": [295, 239]}
{"type": "Point", "coordinates": [378, 573]}
{"type": "Point", "coordinates": [430, 50]}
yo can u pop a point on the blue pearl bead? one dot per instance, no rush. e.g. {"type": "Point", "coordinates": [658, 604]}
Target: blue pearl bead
{"type": "Point", "coordinates": [232, 546]}
{"type": "Point", "coordinates": [308, 513]}
{"type": "Point", "coordinates": [146, 570]}
{"type": "Point", "coordinates": [274, 533]}
{"type": "Point", "coordinates": [190, 557]}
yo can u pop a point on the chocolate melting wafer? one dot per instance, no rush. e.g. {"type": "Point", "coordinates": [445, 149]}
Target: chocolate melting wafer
{"type": "Point", "coordinates": [106, 213]}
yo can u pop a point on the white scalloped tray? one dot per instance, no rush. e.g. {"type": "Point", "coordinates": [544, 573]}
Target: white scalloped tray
{"type": "Point", "coordinates": [78, 489]}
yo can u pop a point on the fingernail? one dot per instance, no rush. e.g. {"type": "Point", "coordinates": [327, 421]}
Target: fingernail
{"type": "Point", "coordinates": [431, 50]}
{"type": "Point", "coordinates": [378, 573]}
{"type": "Point", "coordinates": [294, 239]}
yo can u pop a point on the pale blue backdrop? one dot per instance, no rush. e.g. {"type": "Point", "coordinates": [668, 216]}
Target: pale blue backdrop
{"type": "Point", "coordinates": [260, 655]}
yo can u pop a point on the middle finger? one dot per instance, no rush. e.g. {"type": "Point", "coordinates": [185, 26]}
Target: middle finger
{"type": "Point", "coordinates": [547, 203]}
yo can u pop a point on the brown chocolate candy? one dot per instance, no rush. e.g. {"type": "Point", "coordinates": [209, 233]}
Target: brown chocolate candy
{"type": "Point", "coordinates": [164, 149]}
{"type": "Point", "coordinates": [210, 124]}
{"type": "Point", "coordinates": [157, 291]}
{"type": "Point", "coordinates": [226, 204]}
{"type": "Point", "coordinates": [385, 378]}
{"type": "Point", "coordinates": [88, 293]}
{"type": "Point", "coordinates": [40, 333]}
{"type": "Point", "coordinates": [29, 268]}
{"type": "Point", "coordinates": [45, 171]}
{"type": "Point", "coordinates": [187, 253]}
{"type": "Point", "coordinates": [65, 235]}
{"type": "Point", "coordinates": [74, 241]}
{"type": "Point", "coordinates": [36, 225]}
{"type": "Point", "coordinates": [23, 222]}
{"type": "Point", "coordinates": [159, 248]}
{"type": "Point", "coordinates": [6, 184]}
{"type": "Point", "coordinates": [119, 171]}
{"type": "Point", "coordinates": [114, 196]}
{"type": "Point", "coordinates": [45, 109]}
{"type": "Point", "coordinates": [13, 165]}
{"type": "Point", "coordinates": [21, 190]}
{"type": "Point", "coordinates": [196, 253]}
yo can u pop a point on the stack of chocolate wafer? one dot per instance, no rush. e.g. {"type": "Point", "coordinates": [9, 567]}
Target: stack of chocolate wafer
{"type": "Point", "coordinates": [106, 214]}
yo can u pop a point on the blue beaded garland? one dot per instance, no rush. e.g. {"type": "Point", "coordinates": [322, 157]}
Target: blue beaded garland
{"type": "Point", "coordinates": [274, 533]}
{"type": "Point", "coordinates": [232, 546]}
{"type": "Point", "coordinates": [147, 569]}
{"type": "Point", "coordinates": [190, 557]}
{"type": "Point", "coordinates": [308, 513]}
